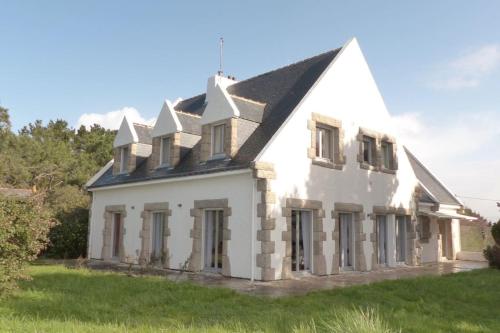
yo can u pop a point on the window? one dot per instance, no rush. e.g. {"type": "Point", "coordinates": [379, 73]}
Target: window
{"type": "Point", "coordinates": [218, 139]}
{"type": "Point", "coordinates": [124, 156]}
{"type": "Point", "coordinates": [369, 150]}
{"type": "Point", "coordinates": [165, 151]}
{"type": "Point", "coordinates": [324, 143]}
{"type": "Point", "coordinates": [158, 233]}
{"type": "Point", "coordinates": [387, 155]}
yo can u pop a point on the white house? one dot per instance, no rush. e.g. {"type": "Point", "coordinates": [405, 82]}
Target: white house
{"type": "Point", "coordinates": [294, 171]}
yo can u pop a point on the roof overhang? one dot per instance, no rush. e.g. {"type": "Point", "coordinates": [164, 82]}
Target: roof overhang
{"type": "Point", "coordinates": [447, 215]}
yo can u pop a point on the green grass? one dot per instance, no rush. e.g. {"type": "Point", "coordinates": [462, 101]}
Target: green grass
{"type": "Point", "coordinates": [59, 299]}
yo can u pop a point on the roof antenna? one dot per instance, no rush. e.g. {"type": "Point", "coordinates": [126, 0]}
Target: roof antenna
{"type": "Point", "coordinates": [221, 49]}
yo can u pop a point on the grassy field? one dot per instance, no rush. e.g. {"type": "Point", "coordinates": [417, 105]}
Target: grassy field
{"type": "Point", "coordinates": [59, 299]}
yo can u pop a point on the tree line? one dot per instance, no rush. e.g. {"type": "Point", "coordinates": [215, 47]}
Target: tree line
{"type": "Point", "coordinates": [55, 161]}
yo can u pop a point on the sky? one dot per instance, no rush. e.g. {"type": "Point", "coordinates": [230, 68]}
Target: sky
{"type": "Point", "coordinates": [437, 65]}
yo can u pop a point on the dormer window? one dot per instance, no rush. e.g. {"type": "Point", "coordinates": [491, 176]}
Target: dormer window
{"type": "Point", "coordinates": [387, 155]}
{"type": "Point", "coordinates": [165, 151]}
{"type": "Point", "coordinates": [369, 150]}
{"type": "Point", "coordinates": [124, 157]}
{"type": "Point", "coordinates": [218, 140]}
{"type": "Point", "coordinates": [324, 143]}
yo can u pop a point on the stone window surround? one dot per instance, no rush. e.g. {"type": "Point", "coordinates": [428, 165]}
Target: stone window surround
{"type": "Point", "coordinates": [145, 233]}
{"type": "Point", "coordinates": [175, 151]}
{"type": "Point", "coordinates": [132, 159]}
{"type": "Point", "coordinates": [411, 234]}
{"type": "Point", "coordinates": [264, 174]}
{"type": "Point", "coordinates": [195, 261]}
{"type": "Point", "coordinates": [359, 235]}
{"type": "Point", "coordinates": [318, 235]}
{"type": "Point", "coordinates": [337, 131]}
{"type": "Point", "coordinates": [378, 137]}
{"type": "Point", "coordinates": [230, 139]}
{"type": "Point", "coordinates": [107, 233]}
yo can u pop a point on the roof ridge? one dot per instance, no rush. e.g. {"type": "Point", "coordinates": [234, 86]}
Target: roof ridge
{"type": "Point", "coordinates": [289, 65]}
{"type": "Point", "coordinates": [144, 125]}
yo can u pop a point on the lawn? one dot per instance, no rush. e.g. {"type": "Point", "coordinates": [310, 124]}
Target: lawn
{"type": "Point", "coordinates": [59, 299]}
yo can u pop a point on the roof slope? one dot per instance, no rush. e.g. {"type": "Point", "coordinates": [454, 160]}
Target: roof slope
{"type": "Point", "coordinates": [431, 183]}
{"type": "Point", "coordinates": [275, 93]}
{"type": "Point", "coordinates": [143, 133]}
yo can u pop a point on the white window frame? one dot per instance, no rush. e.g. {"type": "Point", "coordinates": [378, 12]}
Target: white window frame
{"type": "Point", "coordinates": [320, 141]}
{"type": "Point", "coordinates": [212, 145]}
{"type": "Point", "coordinates": [124, 162]}
{"type": "Point", "coordinates": [162, 162]}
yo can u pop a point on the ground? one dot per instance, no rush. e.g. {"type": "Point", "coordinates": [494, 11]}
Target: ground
{"type": "Point", "coordinates": [60, 299]}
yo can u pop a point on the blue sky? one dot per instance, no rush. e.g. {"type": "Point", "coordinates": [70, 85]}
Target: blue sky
{"type": "Point", "coordinates": [436, 63]}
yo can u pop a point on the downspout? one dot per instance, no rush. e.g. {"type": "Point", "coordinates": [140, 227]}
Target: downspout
{"type": "Point", "coordinates": [253, 237]}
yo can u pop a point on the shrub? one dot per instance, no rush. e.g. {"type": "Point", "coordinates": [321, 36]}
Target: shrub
{"type": "Point", "coordinates": [69, 206]}
{"type": "Point", "coordinates": [492, 254]}
{"type": "Point", "coordinates": [495, 232]}
{"type": "Point", "coordinates": [24, 226]}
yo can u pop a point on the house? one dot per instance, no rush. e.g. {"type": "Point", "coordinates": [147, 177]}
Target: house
{"type": "Point", "coordinates": [295, 171]}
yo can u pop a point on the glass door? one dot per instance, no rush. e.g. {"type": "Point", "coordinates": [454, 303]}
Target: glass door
{"type": "Point", "coordinates": [117, 226]}
{"type": "Point", "coordinates": [382, 239]}
{"type": "Point", "coordinates": [301, 240]}
{"type": "Point", "coordinates": [213, 240]}
{"type": "Point", "coordinates": [346, 241]}
{"type": "Point", "coordinates": [401, 225]}
{"type": "Point", "coordinates": [157, 236]}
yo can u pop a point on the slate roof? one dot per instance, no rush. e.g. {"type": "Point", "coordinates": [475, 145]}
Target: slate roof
{"type": "Point", "coordinates": [269, 98]}
{"type": "Point", "coordinates": [190, 123]}
{"type": "Point", "coordinates": [143, 133]}
{"type": "Point", "coordinates": [432, 184]}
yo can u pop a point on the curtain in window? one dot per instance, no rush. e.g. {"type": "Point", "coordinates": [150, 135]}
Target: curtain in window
{"type": "Point", "coordinates": [157, 238]}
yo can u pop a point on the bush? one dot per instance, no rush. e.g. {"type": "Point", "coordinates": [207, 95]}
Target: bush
{"type": "Point", "coordinates": [68, 239]}
{"type": "Point", "coordinates": [24, 226]}
{"type": "Point", "coordinates": [69, 206]}
{"type": "Point", "coordinates": [492, 254]}
{"type": "Point", "coordinates": [495, 232]}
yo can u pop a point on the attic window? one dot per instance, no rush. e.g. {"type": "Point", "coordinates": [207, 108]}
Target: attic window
{"type": "Point", "coordinates": [124, 157]}
{"type": "Point", "coordinates": [326, 148]}
{"type": "Point", "coordinates": [369, 150]}
{"type": "Point", "coordinates": [218, 139]}
{"type": "Point", "coordinates": [165, 151]}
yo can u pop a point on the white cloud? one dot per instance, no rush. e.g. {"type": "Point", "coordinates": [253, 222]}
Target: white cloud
{"type": "Point", "coordinates": [113, 119]}
{"type": "Point", "coordinates": [467, 70]}
{"type": "Point", "coordinates": [463, 152]}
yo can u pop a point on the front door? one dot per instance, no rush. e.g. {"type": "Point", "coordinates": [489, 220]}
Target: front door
{"type": "Point", "coordinates": [346, 241]}
{"type": "Point", "coordinates": [213, 240]}
{"type": "Point", "coordinates": [301, 240]}
{"type": "Point", "coordinates": [382, 239]}
{"type": "Point", "coordinates": [444, 231]}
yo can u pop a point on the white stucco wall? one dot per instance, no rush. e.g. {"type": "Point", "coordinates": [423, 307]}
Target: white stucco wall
{"type": "Point", "coordinates": [346, 91]}
{"type": "Point", "coordinates": [236, 188]}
